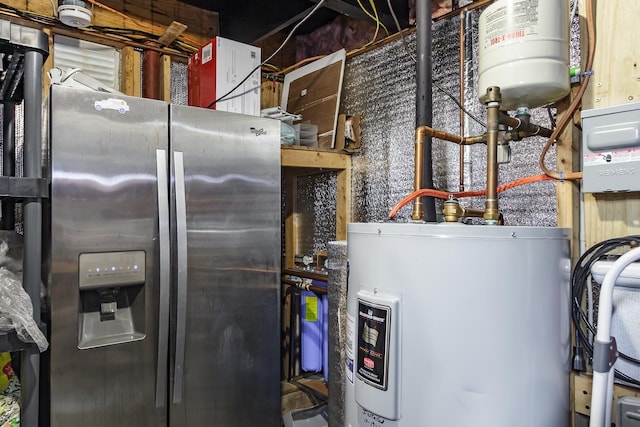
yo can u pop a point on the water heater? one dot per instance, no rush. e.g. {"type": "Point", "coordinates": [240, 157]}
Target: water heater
{"type": "Point", "coordinates": [524, 49]}
{"type": "Point", "coordinates": [457, 325]}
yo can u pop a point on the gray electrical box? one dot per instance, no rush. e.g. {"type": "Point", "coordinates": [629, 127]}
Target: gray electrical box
{"type": "Point", "coordinates": [611, 149]}
{"type": "Point", "coordinates": [628, 412]}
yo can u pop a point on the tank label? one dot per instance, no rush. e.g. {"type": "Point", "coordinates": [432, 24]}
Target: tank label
{"type": "Point", "coordinates": [373, 343]}
{"type": "Point", "coordinates": [510, 23]}
{"type": "Point", "coordinates": [349, 344]}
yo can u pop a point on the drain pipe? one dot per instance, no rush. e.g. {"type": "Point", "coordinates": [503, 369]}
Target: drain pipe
{"type": "Point", "coordinates": [424, 113]}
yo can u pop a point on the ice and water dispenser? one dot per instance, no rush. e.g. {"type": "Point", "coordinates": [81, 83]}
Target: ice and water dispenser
{"type": "Point", "coordinates": [112, 307]}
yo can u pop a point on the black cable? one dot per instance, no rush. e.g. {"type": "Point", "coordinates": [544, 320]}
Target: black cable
{"type": "Point", "coordinates": [579, 277]}
{"type": "Point", "coordinates": [307, 16]}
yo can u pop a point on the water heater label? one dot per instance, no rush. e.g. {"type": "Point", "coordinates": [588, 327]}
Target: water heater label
{"type": "Point", "coordinates": [349, 344]}
{"type": "Point", "coordinates": [373, 343]}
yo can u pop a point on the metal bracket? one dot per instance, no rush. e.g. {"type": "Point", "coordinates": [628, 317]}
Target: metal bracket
{"type": "Point", "coordinates": [605, 355]}
{"type": "Point", "coordinates": [17, 188]}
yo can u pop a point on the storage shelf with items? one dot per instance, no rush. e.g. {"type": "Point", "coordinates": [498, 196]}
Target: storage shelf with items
{"type": "Point", "coordinates": [22, 52]}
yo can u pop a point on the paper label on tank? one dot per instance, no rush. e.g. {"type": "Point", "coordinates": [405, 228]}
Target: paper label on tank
{"type": "Point", "coordinates": [348, 346]}
{"type": "Point", "coordinates": [509, 23]}
{"type": "Point", "coordinates": [373, 343]}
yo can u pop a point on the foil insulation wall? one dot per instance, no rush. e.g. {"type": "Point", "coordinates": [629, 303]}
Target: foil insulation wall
{"type": "Point", "coordinates": [380, 84]}
{"type": "Point", "coordinates": [179, 80]}
{"type": "Point", "coordinates": [337, 266]}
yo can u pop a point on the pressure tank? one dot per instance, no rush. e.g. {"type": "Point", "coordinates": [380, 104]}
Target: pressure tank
{"type": "Point", "coordinates": [457, 325]}
{"type": "Point", "coordinates": [524, 49]}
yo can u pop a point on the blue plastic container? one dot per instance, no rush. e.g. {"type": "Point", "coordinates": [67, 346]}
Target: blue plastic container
{"type": "Point", "coordinates": [325, 337]}
{"type": "Point", "coordinates": [311, 321]}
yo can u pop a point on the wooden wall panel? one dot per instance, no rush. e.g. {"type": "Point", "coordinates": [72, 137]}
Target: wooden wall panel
{"type": "Point", "coordinates": [616, 81]}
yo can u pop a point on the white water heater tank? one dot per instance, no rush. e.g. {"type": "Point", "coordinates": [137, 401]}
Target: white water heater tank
{"type": "Point", "coordinates": [452, 325]}
{"type": "Point", "coordinates": [524, 50]}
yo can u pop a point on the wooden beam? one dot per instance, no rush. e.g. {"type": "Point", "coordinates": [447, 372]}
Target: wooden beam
{"type": "Point", "coordinates": [299, 157]}
{"type": "Point", "coordinates": [173, 31]}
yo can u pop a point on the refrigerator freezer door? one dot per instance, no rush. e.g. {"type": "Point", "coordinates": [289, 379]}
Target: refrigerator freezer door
{"type": "Point", "coordinates": [104, 200]}
{"type": "Point", "coordinates": [231, 370]}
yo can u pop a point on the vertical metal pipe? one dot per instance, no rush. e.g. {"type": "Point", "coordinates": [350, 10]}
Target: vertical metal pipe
{"type": "Point", "coordinates": [491, 212]}
{"type": "Point", "coordinates": [424, 112]}
{"type": "Point", "coordinates": [32, 212]}
{"type": "Point", "coordinates": [151, 65]}
{"type": "Point", "coordinates": [8, 160]}
{"type": "Point", "coordinates": [418, 209]}
{"type": "Point", "coordinates": [461, 84]}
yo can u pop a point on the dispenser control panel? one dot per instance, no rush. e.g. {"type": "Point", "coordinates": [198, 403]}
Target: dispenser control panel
{"type": "Point", "coordinates": [106, 269]}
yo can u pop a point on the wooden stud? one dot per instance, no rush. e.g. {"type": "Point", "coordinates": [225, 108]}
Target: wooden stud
{"type": "Point", "coordinates": [343, 202]}
{"type": "Point", "coordinates": [291, 244]}
{"type": "Point", "coordinates": [165, 78]}
{"type": "Point", "coordinates": [568, 192]}
{"type": "Point", "coordinates": [132, 77]}
{"type": "Point", "coordinates": [616, 80]}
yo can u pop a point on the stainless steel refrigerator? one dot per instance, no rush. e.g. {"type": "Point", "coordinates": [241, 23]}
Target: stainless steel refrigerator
{"type": "Point", "coordinates": [163, 264]}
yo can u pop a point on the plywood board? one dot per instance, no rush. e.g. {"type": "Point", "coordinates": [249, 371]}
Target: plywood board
{"type": "Point", "coordinates": [616, 80]}
{"type": "Point", "coordinates": [314, 92]}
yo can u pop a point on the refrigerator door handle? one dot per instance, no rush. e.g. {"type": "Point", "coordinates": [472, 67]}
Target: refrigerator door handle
{"type": "Point", "coordinates": [181, 294]}
{"type": "Point", "coordinates": [165, 273]}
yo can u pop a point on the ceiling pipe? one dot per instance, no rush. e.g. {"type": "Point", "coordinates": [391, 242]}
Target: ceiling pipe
{"type": "Point", "coordinates": [424, 112]}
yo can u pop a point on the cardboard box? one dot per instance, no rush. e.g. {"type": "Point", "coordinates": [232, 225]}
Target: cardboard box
{"type": "Point", "coordinates": [217, 68]}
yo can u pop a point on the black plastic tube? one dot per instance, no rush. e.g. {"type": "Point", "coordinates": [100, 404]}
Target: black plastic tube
{"type": "Point", "coordinates": [424, 101]}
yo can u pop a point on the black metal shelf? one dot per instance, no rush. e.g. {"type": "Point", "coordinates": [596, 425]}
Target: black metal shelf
{"type": "Point", "coordinates": [23, 51]}
{"type": "Point", "coordinates": [9, 341]}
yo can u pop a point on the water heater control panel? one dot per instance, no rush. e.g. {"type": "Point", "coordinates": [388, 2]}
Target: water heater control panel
{"type": "Point", "coordinates": [611, 149]}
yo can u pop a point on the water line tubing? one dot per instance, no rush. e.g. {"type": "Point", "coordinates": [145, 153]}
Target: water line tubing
{"type": "Point", "coordinates": [439, 194]}
{"type": "Point", "coordinates": [586, 76]}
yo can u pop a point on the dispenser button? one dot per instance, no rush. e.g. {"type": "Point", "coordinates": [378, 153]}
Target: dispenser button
{"type": "Point", "coordinates": [108, 307]}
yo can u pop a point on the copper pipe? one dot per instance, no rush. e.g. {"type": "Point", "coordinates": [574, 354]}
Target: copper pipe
{"type": "Point", "coordinates": [305, 274]}
{"type": "Point", "coordinates": [529, 129]}
{"type": "Point", "coordinates": [317, 289]}
{"type": "Point", "coordinates": [418, 209]}
{"type": "Point", "coordinates": [491, 212]}
{"type": "Point", "coordinates": [461, 84]}
{"type": "Point", "coordinates": [151, 66]}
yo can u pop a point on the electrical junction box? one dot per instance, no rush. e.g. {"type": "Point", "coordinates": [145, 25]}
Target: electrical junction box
{"type": "Point", "coordinates": [220, 66]}
{"type": "Point", "coordinates": [611, 149]}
